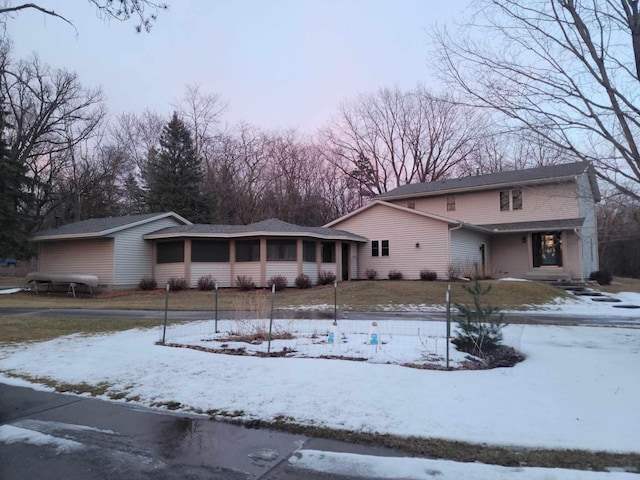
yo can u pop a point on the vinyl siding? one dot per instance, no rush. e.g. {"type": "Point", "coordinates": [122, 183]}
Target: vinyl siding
{"type": "Point", "coordinates": [540, 202]}
{"type": "Point", "coordinates": [329, 267]}
{"type": "Point", "coordinates": [510, 257]}
{"type": "Point", "coordinates": [310, 269]}
{"type": "Point", "coordinates": [164, 271]}
{"type": "Point", "coordinates": [403, 230]}
{"type": "Point", "coordinates": [289, 270]}
{"type": "Point", "coordinates": [248, 269]}
{"type": "Point", "coordinates": [466, 253]}
{"type": "Point", "coordinates": [94, 257]}
{"type": "Point", "coordinates": [220, 271]}
{"type": "Point", "coordinates": [133, 255]}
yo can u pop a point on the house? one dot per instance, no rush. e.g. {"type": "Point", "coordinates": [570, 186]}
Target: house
{"type": "Point", "coordinates": [110, 248]}
{"type": "Point", "coordinates": [120, 251]}
{"type": "Point", "coordinates": [537, 223]}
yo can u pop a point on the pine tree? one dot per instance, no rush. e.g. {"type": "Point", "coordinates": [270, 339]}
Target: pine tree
{"type": "Point", "coordinates": [174, 175]}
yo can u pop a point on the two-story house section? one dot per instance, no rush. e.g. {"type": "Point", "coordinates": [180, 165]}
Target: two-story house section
{"type": "Point", "coordinates": [536, 223]}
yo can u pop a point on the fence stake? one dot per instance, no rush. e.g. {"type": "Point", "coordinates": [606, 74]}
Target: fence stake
{"type": "Point", "coordinates": [335, 303]}
{"type": "Point", "coordinates": [273, 294]}
{"type": "Point", "coordinates": [166, 307]}
{"type": "Point", "coordinates": [215, 330]}
{"type": "Point", "coordinates": [448, 302]}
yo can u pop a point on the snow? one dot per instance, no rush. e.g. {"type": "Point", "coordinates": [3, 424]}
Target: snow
{"type": "Point", "coordinates": [12, 434]}
{"type": "Point", "coordinates": [367, 466]}
{"type": "Point", "coordinates": [7, 291]}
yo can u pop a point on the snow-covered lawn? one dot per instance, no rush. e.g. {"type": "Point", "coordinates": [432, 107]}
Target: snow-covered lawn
{"type": "Point", "coordinates": [578, 387]}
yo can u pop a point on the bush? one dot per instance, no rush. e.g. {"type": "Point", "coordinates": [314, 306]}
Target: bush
{"type": "Point", "coordinates": [245, 283]}
{"type": "Point", "coordinates": [395, 275]}
{"type": "Point", "coordinates": [206, 283]}
{"type": "Point", "coordinates": [326, 277]}
{"type": "Point", "coordinates": [303, 281]}
{"type": "Point", "coordinates": [428, 275]}
{"type": "Point", "coordinates": [148, 283]}
{"type": "Point", "coordinates": [370, 274]}
{"type": "Point", "coordinates": [176, 284]}
{"type": "Point", "coordinates": [279, 281]}
{"type": "Point", "coordinates": [603, 277]}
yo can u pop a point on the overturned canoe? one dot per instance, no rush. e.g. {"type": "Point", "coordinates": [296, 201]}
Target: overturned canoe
{"type": "Point", "coordinates": [63, 277]}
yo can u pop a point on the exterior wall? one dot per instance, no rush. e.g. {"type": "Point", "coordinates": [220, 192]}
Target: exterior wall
{"type": "Point", "coordinates": [164, 271]}
{"type": "Point", "coordinates": [466, 252]}
{"type": "Point", "coordinates": [310, 269]}
{"type": "Point", "coordinates": [289, 270]}
{"type": "Point", "coordinates": [133, 255]}
{"type": "Point", "coordinates": [589, 230]}
{"type": "Point", "coordinates": [329, 267]}
{"type": "Point", "coordinates": [354, 262]}
{"type": "Point", "coordinates": [248, 269]}
{"type": "Point", "coordinates": [220, 271]}
{"type": "Point", "coordinates": [511, 257]}
{"type": "Point", "coordinates": [93, 257]}
{"type": "Point", "coordinates": [572, 254]}
{"type": "Point", "coordinates": [540, 202]}
{"type": "Point", "coordinates": [403, 230]}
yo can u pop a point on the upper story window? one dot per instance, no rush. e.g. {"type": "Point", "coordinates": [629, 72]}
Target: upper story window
{"type": "Point", "coordinates": [510, 200]}
{"type": "Point", "coordinates": [451, 203]}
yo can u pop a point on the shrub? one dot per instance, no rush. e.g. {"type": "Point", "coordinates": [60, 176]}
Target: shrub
{"type": "Point", "coordinates": [395, 275]}
{"type": "Point", "coordinates": [148, 283]}
{"type": "Point", "coordinates": [279, 281]}
{"type": "Point", "coordinates": [603, 277]}
{"type": "Point", "coordinates": [206, 283]}
{"type": "Point", "coordinates": [303, 281]}
{"type": "Point", "coordinates": [245, 283]}
{"type": "Point", "coordinates": [454, 272]}
{"type": "Point", "coordinates": [177, 283]}
{"type": "Point", "coordinates": [428, 275]}
{"type": "Point", "coordinates": [326, 277]}
{"type": "Point", "coordinates": [370, 274]}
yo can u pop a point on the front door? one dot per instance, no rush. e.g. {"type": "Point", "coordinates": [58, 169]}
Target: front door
{"type": "Point", "coordinates": [547, 249]}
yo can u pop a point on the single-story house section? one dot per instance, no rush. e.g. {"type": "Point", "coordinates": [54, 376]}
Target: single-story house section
{"type": "Point", "coordinates": [536, 223]}
{"type": "Point", "coordinates": [110, 248]}
{"type": "Point", "coordinates": [258, 251]}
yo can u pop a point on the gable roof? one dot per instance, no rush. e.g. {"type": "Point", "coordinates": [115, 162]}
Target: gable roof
{"type": "Point", "coordinates": [270, 227]}
{"type": "Point", "coordinates": [101, 227]}
{"type": "Point", "coordinates": [397, 207]}
{"type": "Point", "coordinates": [493, 180]}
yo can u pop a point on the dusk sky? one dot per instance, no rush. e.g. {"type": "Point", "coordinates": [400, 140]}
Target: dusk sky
{"type": "Point", "coordinates": [277, 63]}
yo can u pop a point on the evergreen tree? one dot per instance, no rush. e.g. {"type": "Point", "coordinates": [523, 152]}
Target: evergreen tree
{"type": "Point", "coordinates": [14, 197]}
{"type": "Point", "coordinates": [174, 175]}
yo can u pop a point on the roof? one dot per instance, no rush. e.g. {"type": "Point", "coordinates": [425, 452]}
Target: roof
{"type": "Point", "coordinates": [492, 180]}
{"type": "Point", "coordinates": [101, 227]}
{"type": "Point", "coordinates": [270, 227]}
{"type": "Point", "coordinates": [545, 225]}
{"type": "Point", "coordinates": [397, 207]}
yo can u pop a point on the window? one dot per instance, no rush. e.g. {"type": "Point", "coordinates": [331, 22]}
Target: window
{"type": "Point", "coordinates": [209, 251]}
{"type": "Point", "coordinates": [309, 251]}
{"type": "Point", "coordinates": [411, 204]}
{"type": "Point", "coordinates": [504, 201]}
{"type": "Point", "coordinates": [375, 248]}
{"type": "Point", "coordinates": [170, 252]}
{"type": "Point", "coordinates": [328, 252]}
{"type": "Point", "coordinates": [282, 250]}
{"type": "Point", "coordinates": [451, 203]}
{"type": "Point", "coordinates": [248, 251]}
{"type": "Point", "coordinates": [516, 199]}
{"type": "Point", "coordinates": [547, 249]}
{"type": "Point", "coordinates": [385, 248]}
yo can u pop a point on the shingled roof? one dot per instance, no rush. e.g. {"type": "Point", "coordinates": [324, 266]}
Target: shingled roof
{"type": "Point", "coordinates": [492, 180]}
{"type": "Point", "coordinates": [100, 227]}
{"type": "Point", "coordinates": [271, 226]}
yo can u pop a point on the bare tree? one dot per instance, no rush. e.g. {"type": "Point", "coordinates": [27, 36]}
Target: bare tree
{"type": "Point", "coordinates": [563, 69]}
{"type": "Point", "coordinates": [393, 138]}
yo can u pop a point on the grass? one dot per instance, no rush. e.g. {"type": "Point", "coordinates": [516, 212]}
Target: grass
{"type": "Point", "coordinates": [620, 284]}
{"type": "Point", "coordinates": [352, 296]}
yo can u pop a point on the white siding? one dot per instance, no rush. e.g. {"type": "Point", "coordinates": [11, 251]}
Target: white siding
{"type": "Point", "coordinates": [93, 257]}
{"type": "Point", "coordinates": [403, 230]}
{"type": "Point", "coordinates": [589, 230]}
{"type": "Point", "coordinates": [329, 267]}
{"type": "Point", "coordinates": [164, 271]}
{"type": "Point", "coordinates": [248, 269]}
{"type": "Point", "coordinates": [466, 253]}
{"type": "Point", "coordinates": [311, 270]}
{"type": "Point", "coordinates": [133, 255]}
{"type": "Point", "coordinates": [289, 270]}
{"type": "Point", "coordinates": [220, 271]}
